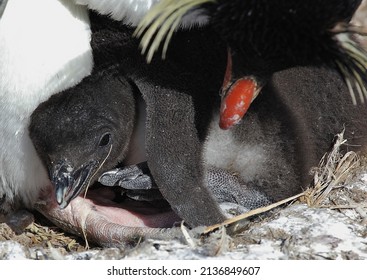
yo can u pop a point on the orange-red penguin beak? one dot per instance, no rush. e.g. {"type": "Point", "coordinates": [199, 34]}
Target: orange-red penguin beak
{"type": "Point", "coordinates": [236, 102]}
{"type": "Point", "coordinates": [236, 97]}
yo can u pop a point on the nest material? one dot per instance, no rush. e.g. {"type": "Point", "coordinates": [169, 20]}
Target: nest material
{"type": "Point", "coordinates": [334, 171]}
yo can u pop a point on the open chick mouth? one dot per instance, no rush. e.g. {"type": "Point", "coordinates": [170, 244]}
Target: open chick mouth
{"type": "Point", "coordinates": [106, 216]}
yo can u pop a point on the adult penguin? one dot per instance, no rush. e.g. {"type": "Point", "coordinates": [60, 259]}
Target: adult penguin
{"type": "Point", "coordinates": [267, 36]}
{"type": "Point", "coordinates": [284, 134]}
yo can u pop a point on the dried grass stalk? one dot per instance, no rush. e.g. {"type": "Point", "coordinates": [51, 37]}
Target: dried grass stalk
{"type": "Point", "coordinates": [334, 170]}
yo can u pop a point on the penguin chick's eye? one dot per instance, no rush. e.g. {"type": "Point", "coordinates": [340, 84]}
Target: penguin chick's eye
{"type": "Point", "coordinates": [105, 140]}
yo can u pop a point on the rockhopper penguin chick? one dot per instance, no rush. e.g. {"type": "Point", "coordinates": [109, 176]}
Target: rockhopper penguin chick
{"type": "Point", "coordinates": [80, 133]}
{"type": "Point", "coordinates": [169, 88]}
{"type": "Point", "coordinates": [285, 132]}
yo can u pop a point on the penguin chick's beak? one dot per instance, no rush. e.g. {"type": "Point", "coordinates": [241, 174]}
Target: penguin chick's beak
{"type": "Point", "coordinates": [70, 182]}
{"type": "Point", "coordinates": [237, 96]}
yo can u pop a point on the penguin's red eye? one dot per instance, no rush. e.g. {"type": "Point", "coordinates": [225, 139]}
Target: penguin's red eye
{"type": "Point", "coordinates": [105, 140]}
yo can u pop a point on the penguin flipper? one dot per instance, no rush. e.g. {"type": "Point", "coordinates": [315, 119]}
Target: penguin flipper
{"type": "Point", "coordinates": [174, 156]}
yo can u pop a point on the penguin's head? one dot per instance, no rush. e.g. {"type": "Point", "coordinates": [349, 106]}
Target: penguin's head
{"type": "Point", "coordinates": [94, 120]}
{"type": "Point", "coordinates": [265, 37]}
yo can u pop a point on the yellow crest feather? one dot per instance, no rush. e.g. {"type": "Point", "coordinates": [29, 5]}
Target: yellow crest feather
{"type": "Point", "coordinates": [354, 67]}
{"type": "Point", "coordinates": [160, 23]}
